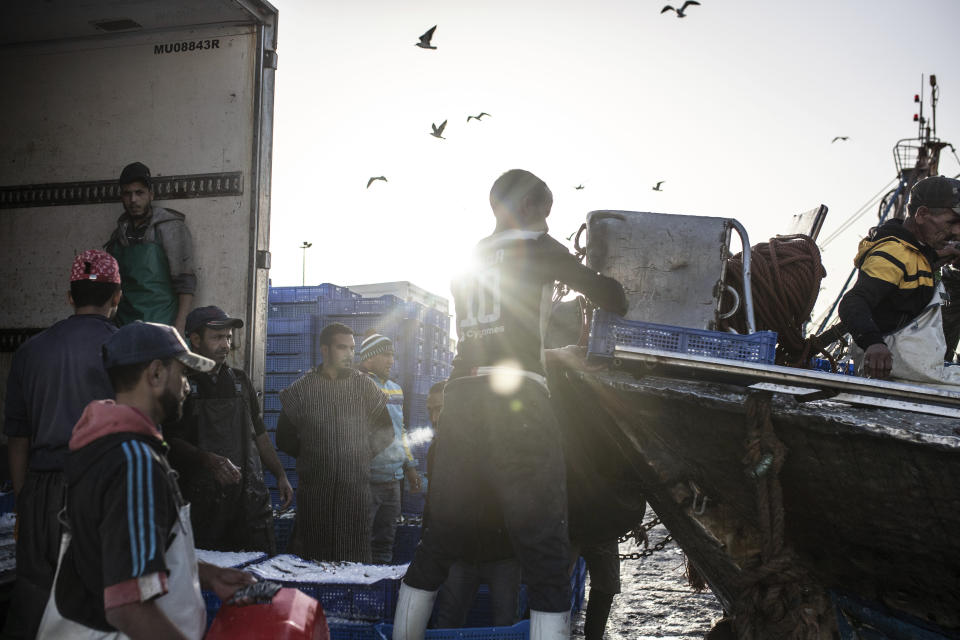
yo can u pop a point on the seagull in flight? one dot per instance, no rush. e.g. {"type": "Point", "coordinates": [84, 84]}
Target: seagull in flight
{"type": "Point", "coordinates": [426, 38]}
{"type": "Point", "coordinates": [482, 113]}
{"type": "Point", "coordinates": [438, 131]}
{"type": "Point", "coordinates": [657, 188]}
{"type": "Point", "coordinates": [680, 11]}
{"type": "Point", "coordinates": [839, 138]}
{"type": "Point", "coordinates": [578, 187]}
{"type": "Point", "coordinates": [374, 179]}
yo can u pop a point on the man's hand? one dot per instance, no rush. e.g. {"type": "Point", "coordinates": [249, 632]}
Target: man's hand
{"type": "Point", "coordinates": [413, 478]}
{"type": "Point", "coordinates": [286, 492]}
{"type": "Point", "coordinates": [877, 361]}
{"type": "Point", "coordinates": [223, 581]}
{"type": "Point", "coordinates": [224, 471]}
{"type": "Point", "coordinates": [950, 252]}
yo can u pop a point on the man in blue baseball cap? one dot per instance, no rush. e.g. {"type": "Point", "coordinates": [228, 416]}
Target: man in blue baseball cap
{"type": "Point", "coordinates": [220, 446]}
{"type": "Point", "coordinates": [128, 563]}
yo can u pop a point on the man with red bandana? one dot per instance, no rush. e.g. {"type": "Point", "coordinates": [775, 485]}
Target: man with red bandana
{"type": "Point", "coordinates": [54, 375]}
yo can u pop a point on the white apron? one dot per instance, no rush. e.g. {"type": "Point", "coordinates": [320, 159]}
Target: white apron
{"type": "Point", "coordinates": [918, 349]}
{"type": "Point", "coordinates": [182, 604]}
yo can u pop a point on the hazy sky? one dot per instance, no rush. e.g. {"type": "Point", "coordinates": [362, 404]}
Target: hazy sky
{"type": "Point", "coordinates": [734, 107]}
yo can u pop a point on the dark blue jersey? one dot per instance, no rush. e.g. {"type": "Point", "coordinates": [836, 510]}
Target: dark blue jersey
{"type": "Point", "coordinates": [54, 376]}
{"type": "Point", "coordinates": [504, 303]}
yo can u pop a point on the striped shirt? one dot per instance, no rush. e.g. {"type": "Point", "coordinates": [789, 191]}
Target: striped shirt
{"type": "Point", "coordinates": [339, 425]}
{"type": "Point", "coordinates": [122, 504]}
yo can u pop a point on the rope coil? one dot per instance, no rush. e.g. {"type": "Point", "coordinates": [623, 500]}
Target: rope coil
{"type": "Point", "coordinates": [785, 275]}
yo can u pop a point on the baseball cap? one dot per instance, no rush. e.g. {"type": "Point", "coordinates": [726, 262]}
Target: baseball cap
{"type": "Point", "coordinates": [936, 192]}
{"type": "Point", "coordinates": [147, 341]}
{"type": "Point", "coordinates": [134, 172]}
{"type": "Point", "coordinates": [210, 317]}
{"type": "Point", "coordinates": [96, 266]}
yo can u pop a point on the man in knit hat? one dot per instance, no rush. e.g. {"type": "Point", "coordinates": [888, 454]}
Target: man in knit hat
{"type": "Point", "coordinates": [896, 264]}
{"type": "Point", "coordinates": [395, 462]}
{"type": "Point", "coordinates": [53, 376]}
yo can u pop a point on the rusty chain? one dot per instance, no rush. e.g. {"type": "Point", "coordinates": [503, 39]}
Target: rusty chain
{"type": "Point", "coordinates": [649, 551]}
{"type": "Point", "coordinates": [639, 535]}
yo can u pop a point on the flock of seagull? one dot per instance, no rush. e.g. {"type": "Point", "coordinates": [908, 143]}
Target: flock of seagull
{"type": "Point", "coordinates": [425, 42]}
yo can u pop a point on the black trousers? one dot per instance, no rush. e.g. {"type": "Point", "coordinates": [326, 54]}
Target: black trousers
{"type": "Point", "coordinates": [498, 468]}
{"type": "Point", "coordinates": [43, 495]}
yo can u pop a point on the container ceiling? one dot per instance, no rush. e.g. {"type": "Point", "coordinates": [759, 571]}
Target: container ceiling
{"type": "Point", "coordinates": [49, 20]}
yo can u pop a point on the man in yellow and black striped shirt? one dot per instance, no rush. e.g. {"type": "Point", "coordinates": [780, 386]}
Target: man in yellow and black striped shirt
{"type": "Point", "coordinates": [897, 263]}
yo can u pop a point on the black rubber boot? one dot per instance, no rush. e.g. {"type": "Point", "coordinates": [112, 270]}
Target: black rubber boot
{"type": "Point", "coordinates": [598, 610]}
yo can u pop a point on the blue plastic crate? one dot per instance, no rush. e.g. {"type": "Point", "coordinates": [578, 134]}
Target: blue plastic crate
{"type": "Point", "coordinates": [302, 310]}
{"type": "Point", "coordinates": [519, 631]}
{"type": "Point", "coordinates": [369, 602]}
{"type": "Point", "coordinates": [212, 603]}
{"type": "Point", "coordinates": [578, 585]}
{"type": "Point", "coordinates": [843, 368]}
{"type": "Point", "coordinates": [418, 384]}
{"type": "Point", "coordinates": [271, 402]}
{"type": "Point", "coordinates": [308, 293]}
{"type": "Point", "coordinates": [271, 482]}
{"type": "Point", "coordinates": [293, 344]}
{"type": "Point", "coordinates": [386, 304]}
{"type": "Point", "coordinates": [405, 542]}
{"type": "Point", "coordinates": [288, 326]}
{"type": "Point", "coordinates": [283, 529]}
{"type": "Point", "coordinates": [352, 630]}
{"type": "Point", "coordinates": [610, 331]}
{"type": "Point", "coordinates": [287, 462]}
{"type": "Point", "coordinates": [412, 503]}
{"type": "Point", "coordinates": [276, 382]}
{"type": "Point", "coordinates": [297, 363]}
{"type": "Point", "coordinates": [387, 324]}
{"type": "Point", "coordinates": [7, 502]}
{"type": "Point", "coordinates": [270, 420]}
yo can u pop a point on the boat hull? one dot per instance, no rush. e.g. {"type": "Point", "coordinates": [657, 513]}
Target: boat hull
{"type": "Point", "coordinates": [839, 498]}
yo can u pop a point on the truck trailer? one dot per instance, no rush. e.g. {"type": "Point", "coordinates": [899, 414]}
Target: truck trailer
{"type": "Point", "coordinates": [184, 87]}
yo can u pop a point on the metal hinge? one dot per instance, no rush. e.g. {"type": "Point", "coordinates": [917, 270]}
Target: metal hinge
{"type": "Point", "coordinates": [269, 59]}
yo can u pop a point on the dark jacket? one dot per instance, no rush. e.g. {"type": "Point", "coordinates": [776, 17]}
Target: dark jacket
{"type": "Point", "coordinates": [895, 283]}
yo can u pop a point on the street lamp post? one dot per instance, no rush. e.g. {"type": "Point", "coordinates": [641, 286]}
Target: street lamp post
{"type": "Point", "coordinates": [306, 245]}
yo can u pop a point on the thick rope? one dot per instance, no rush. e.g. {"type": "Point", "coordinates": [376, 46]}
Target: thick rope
{"type": "Point", "coordinates": [785, 276]}
{"type": "Point", "coordinates": [777, 598]}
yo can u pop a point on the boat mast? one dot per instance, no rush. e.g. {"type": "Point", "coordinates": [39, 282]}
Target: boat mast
{"type": "Point", "coordinates": [915, 159]}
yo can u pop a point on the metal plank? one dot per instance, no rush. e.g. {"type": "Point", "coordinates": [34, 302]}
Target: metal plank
{"type": "Point", "coordinates": [750, 373]}
{"type": "Point", "coordinates": [804, 394]}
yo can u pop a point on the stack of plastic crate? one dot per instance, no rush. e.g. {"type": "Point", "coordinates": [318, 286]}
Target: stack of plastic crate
{"type": "Point", "coordinates": [420, 333]}
{"type": "Point", "coordinates": [347, 590]}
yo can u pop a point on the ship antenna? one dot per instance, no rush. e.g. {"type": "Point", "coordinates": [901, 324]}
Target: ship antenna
{"type": "Point", "coordinates": [934, 94]}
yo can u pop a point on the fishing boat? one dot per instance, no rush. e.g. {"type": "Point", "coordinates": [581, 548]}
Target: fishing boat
{"type": "Point", "coordinates": [814, 504]}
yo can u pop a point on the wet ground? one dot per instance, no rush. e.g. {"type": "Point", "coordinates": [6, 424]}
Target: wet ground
{"type": "Point", "coordinates": [656, 601]}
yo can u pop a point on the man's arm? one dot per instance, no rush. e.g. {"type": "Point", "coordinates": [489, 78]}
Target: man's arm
{"type": "Point", "coordinates": [188, 459]}
{"type": "Point", "coordinates": [878, 277]}
{"type": "Point", "coordinates": [288, 439]}
{"type": "Point", "coordinates": [18, 454]}
{"type": "Point", "coordinates": [603, 291]}
{"type": "Point", "coordinates": [268, 456]}
{"type": "Point", "coordinates": [857, 306]}
{"type": "Point", "coordinates": [16, 424]}
{"type": "Point", "coordinates": [222, 580]}
{"type": "Point", "coordinates": [184, 304]}
{"type": "Point", "coordinates": [178, 246]}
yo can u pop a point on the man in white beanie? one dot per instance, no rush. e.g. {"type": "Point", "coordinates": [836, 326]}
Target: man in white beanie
{"type": "Point", "coordinates": [389, 467]}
